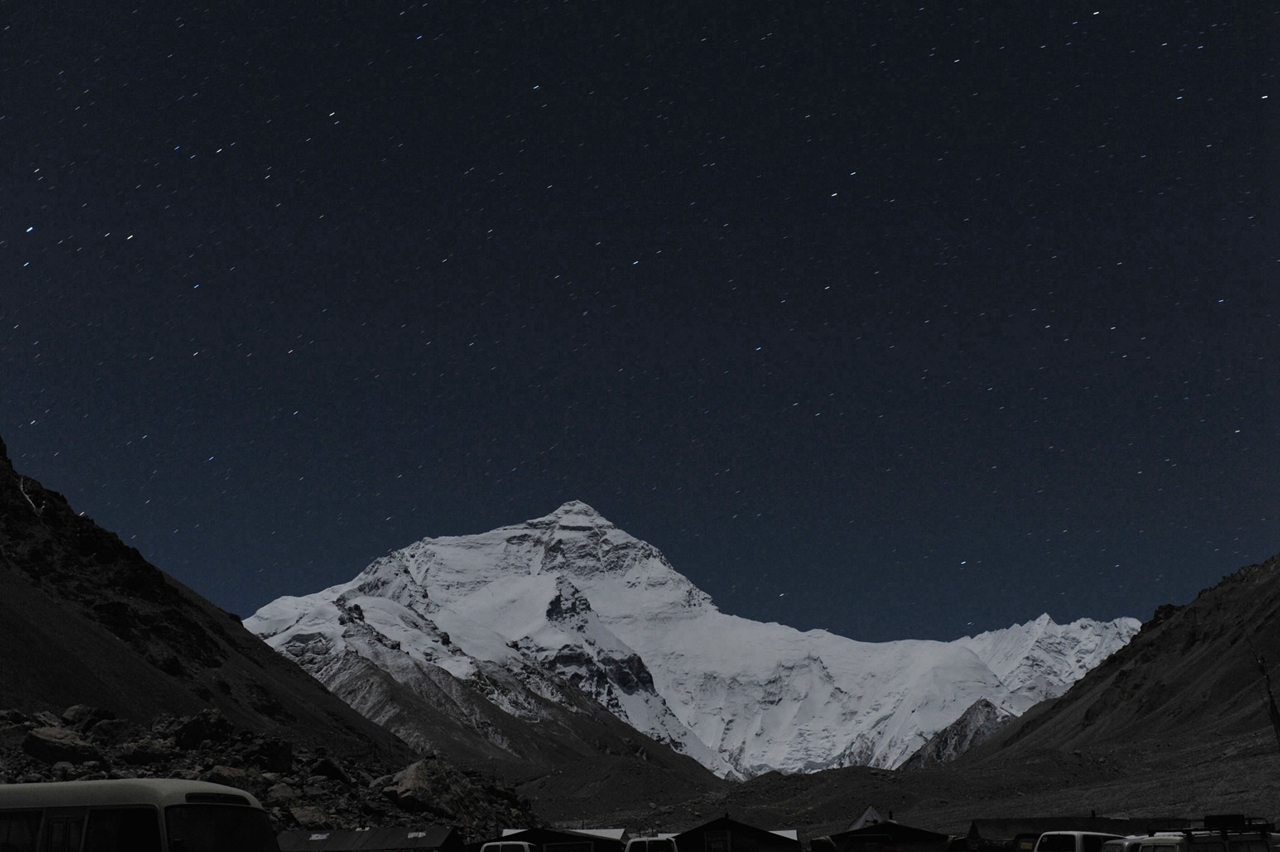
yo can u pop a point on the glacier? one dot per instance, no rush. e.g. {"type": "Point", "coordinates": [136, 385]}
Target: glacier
{"type": "Point", "coordinates": [571, 599]}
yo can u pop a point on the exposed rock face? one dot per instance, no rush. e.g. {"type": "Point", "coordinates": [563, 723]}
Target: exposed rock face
{"type": "Point", "coordinates": [976, 725]}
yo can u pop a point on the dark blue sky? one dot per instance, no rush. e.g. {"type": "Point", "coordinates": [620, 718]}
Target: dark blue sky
{"type": "Point", "coordinates": [899, 320]}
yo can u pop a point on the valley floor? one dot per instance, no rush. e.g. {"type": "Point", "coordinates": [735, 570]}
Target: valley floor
{"type": "Point", "coordinates": [1187, 779]}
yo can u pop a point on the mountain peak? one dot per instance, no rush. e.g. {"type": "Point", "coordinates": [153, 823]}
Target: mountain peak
{"type": "Point", "coordinates": [576, 508]}
{"type": "Point", "coordinates": [575, 515]}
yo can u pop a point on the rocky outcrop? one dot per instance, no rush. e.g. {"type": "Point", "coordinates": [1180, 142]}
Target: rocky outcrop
{"type": "Point", "coordinates": [976, 725]}
{"type": "Point", "coordinates": [54, 745]}
{"type": "Point", "coordinates": [302, 786]}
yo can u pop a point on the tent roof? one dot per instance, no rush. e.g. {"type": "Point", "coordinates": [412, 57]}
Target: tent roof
{"type": "Point", "coordinates": [898, 832]}
{"type": "Point", "coordinates": [763, 836]}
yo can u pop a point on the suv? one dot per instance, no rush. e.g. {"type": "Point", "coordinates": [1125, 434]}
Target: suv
{"type": "Point", "coordinates": [1229, 833]}
{"type": "Point", "coordinates": [1075, 841]}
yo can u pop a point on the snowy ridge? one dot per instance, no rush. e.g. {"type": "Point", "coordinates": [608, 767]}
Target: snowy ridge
{"type": "Point", "coordinates": [569, 597]}
{"type": "Point", "coordinates": [1040, 659]}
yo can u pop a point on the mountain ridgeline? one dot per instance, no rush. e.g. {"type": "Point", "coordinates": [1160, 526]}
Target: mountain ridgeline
{"type": "Point", "coordinates": [532, 618]}
{"type": "Point", "coordinates": [572, 660]}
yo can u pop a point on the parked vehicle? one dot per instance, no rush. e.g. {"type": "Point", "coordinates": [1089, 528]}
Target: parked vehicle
{"type": "Point", "coordinates": [1132, 843]}
{"type": "Point", "coordinates": [1227, 833]}
{"type": "Point", "coordinates": [507, 846]}
{"type": "Point", "coordinates": [1073, 841]}
{"type": "Point", "coordinates": [132, 815]}
{"type": "Point", "coordinates": [651, 844]}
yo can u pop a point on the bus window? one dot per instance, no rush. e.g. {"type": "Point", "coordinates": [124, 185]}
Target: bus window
{"type": "Point", "coordinates": [18, 831]}
{"type": "Point", "coordinates": [122, 830]}
{"type": "Point", "coordinates": [218, 828]}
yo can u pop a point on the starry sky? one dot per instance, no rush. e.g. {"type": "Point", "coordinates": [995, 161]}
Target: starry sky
{"type": "Point", "coordinates": [899, 320]}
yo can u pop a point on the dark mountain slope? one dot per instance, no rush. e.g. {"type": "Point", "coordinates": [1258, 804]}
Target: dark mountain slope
{"type": "Point", "coordinates": [84, 619]}
{"type": "Point", "coordinates": [1192, 672]}
{"type": "Point", "coordinates": [575, 760]}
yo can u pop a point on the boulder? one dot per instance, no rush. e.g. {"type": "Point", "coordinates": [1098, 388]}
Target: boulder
{"type": "Point", "coordinates": [280, 794]}
{"type": "Point", "coordinates": [207, 725]}
{"type": "Point", "coordinates": [430, 786]}
{"type": "Point", "coordinates": [145, 752]}
{"type": "Point", "coordinates": [229, 776]}
{"type": "Point", "coordinates": [309, 817]}
{"type": "Point", "coordinates": [271, 754]}
{"type": "Point", "coordinates": [109, 732]}
{"type": "Point", "coordinates": [54, 745]}
{"type": "Point", "coordinates": [329, 768]}
{"type": "Point", "coordinates": [82, 717]}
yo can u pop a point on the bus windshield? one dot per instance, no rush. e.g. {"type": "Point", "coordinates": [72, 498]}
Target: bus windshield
{"type": "Point", "coordinates": [219, 828]}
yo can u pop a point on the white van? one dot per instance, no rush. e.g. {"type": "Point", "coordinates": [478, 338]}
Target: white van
{"type": "Point", "coordinates": [132, 815]}
{"type": "Point", "coordinates": [661, 843]}
{"type": "Point", "coordinates": [1073, 841]}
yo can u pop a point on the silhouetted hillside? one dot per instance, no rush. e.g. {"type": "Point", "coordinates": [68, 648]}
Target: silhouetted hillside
{"type": "Point", "coordinates": [87, 620]}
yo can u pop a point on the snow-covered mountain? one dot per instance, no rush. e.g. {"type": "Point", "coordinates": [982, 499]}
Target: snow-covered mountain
{"type": "Point", "coordinates": [520, 610]}
{"type": "Point", "coordinates": [1041, 659]}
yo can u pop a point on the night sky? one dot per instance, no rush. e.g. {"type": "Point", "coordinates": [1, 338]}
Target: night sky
{"type": "Point", "coordinates": [895, 319]}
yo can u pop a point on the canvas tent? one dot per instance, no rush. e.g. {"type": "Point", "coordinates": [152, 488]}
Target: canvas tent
{"type": "Point", "coordinates": [568, 840]}
{"type": "Point", "coordinates": [726, 835]}
{"type": "Point", "coordinates": [887, 836]}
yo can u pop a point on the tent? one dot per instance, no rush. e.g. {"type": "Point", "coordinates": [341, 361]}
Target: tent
{"type": "Point", "coordinates": [888, 836]}
{"type": "Point", "coordinates": [726, 835]}
{"type": "Point", "coordinates": [567, 840]}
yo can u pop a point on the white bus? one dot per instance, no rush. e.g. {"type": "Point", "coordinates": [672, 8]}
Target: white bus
{"type": "Point", "coordinates": [132, 815]}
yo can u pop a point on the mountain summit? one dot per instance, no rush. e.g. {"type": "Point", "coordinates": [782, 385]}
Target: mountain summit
{"type": "Point", "coordinates": [569, 599]}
